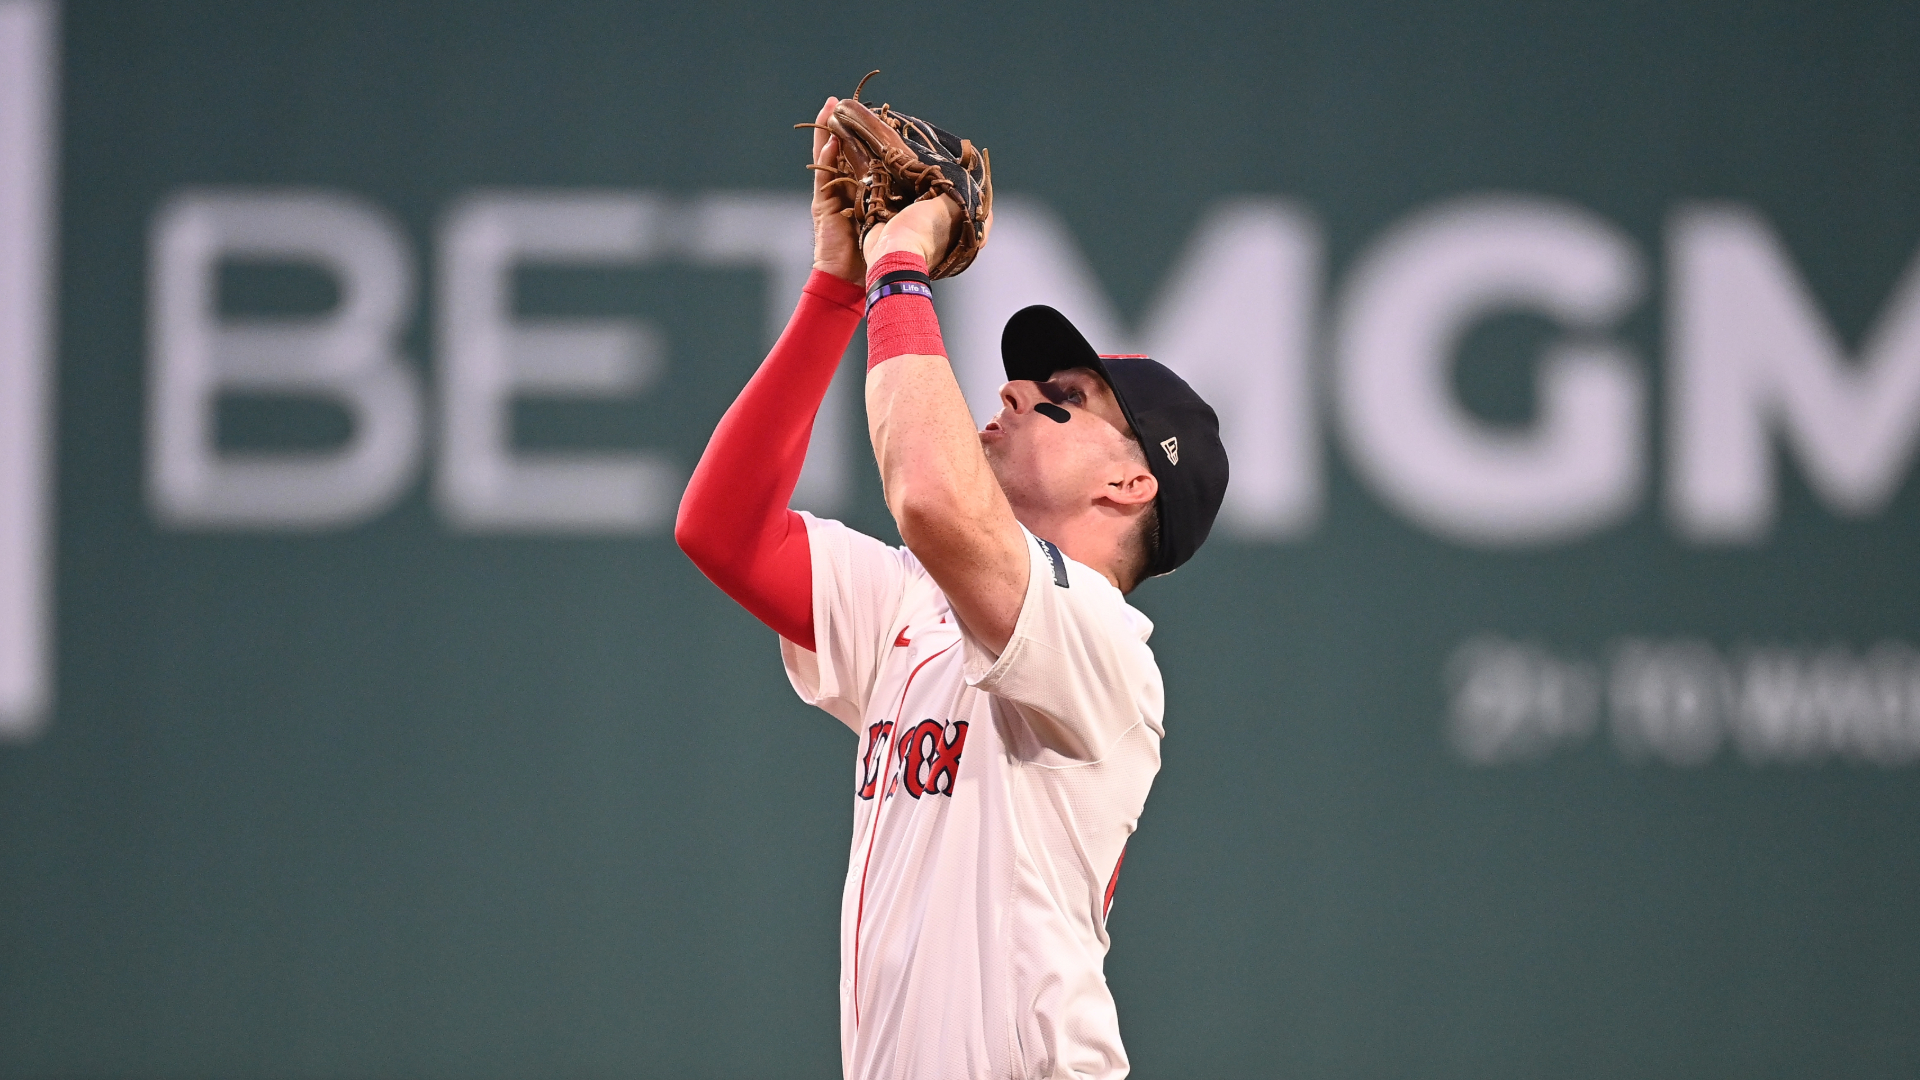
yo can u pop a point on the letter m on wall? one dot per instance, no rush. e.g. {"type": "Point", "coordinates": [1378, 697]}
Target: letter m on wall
{"type": "Point", "coordinates": [1749, 353]}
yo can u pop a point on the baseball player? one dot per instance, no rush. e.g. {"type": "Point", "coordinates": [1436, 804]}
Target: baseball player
{"type": "Point", "coordinates": [1006, 707]}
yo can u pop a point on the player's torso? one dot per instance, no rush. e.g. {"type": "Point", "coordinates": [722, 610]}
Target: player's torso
{"type": "Point", "coordinates": [952, 920]}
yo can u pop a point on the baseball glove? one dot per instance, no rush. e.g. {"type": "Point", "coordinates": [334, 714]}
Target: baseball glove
{"type": "Point", "coordinates": [890, 160]}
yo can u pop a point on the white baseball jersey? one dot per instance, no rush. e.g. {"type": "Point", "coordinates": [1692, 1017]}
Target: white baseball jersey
{"type": "Point", "coordinates": [993, 798]}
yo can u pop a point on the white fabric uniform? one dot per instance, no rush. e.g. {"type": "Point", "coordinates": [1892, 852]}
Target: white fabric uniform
{"type": "Point", "coordinates": [993, 800]}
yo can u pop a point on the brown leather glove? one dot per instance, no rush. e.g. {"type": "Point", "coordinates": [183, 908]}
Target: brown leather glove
{"type": "Point", "coordinates": [890, 160]}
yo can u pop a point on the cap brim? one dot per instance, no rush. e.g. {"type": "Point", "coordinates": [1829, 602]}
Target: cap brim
{"type": "Point", "coordinates": [1039, 341]}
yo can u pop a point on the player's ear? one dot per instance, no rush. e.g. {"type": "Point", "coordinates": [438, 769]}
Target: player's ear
{"type": "Point", "coordinates": [1135, 486]}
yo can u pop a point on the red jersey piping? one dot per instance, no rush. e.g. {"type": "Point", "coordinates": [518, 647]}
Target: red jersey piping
{"type": "Point", "coordinates": [873, 834]}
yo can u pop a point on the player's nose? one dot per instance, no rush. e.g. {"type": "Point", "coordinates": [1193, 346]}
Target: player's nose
{"type": "Point", "coordinates": [1019, 396]}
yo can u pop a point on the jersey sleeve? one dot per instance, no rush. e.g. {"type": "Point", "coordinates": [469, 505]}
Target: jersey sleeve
{"type": "Point", "coordinates": [1077, 666]}
{"type": "Point", "coordinates": [859, 585]}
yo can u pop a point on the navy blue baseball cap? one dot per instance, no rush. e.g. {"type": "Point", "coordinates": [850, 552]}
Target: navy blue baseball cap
{"type": "Point", "coordinates": [1178, 431]}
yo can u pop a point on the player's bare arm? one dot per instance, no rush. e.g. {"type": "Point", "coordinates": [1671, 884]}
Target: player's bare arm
{"type": "Point", "coordinates": [951, 511]}
{"type": "Point", "coordinates": [1081, 485]}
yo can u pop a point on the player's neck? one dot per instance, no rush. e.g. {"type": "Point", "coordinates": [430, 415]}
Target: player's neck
{"type": "Point", "coordinates": [1088, 536]}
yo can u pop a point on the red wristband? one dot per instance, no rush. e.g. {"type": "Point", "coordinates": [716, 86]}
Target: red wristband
{"type": "Point", "coordinates": [903, 324]}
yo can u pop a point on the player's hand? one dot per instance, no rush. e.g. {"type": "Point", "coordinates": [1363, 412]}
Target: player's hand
{"type": "Point", "coordinates": [836, 244]}
{"type": "Point", "coordinates": [924, 228]}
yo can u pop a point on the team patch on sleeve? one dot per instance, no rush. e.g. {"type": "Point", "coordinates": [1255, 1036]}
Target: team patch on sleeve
{"type": "Point", "coordinates": [1059, 562]}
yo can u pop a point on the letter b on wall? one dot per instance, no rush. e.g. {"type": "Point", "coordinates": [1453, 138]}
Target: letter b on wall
{"type": "Point", "coordinates": [348, 356]}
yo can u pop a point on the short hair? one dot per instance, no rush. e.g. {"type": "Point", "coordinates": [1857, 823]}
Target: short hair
{"type": "Point", "coordinates": [1143, 547]}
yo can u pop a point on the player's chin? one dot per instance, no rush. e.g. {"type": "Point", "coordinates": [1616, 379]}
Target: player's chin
{"type": "Point", "coordinates": [1000, 460]}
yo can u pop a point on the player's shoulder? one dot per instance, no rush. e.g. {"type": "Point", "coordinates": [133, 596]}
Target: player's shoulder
{"type": "Point", "coordinates": [869, 555]}
{"type": "Point", "coordinates": [837, 537]}
{"type": "Point", "coordinates": [1086, 589]}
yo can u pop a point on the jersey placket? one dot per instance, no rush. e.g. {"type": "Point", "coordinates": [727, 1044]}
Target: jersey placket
{"type": "Point", "coordinates": [881, 797]}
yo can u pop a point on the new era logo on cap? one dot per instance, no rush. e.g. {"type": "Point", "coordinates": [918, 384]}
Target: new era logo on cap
{"type": "Point", "coordinates": [1172, 447]}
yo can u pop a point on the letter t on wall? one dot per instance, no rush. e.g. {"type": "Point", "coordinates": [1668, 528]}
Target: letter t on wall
{"type": "Point", "coordinates": [27, 139]}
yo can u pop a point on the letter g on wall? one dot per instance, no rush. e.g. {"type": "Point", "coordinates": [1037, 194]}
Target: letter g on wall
{"type": "Point", "coordinates": [1407, 303]}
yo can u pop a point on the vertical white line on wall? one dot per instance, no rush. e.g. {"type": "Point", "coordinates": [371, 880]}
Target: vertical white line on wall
{"type": "Point", "coordinates": [29, 69]}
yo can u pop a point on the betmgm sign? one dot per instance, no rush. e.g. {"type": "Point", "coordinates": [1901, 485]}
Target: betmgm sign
{"type": "Point", "coordinates": [1753, 369]}
{"type": "Point", "coordinates": [1754, 374]}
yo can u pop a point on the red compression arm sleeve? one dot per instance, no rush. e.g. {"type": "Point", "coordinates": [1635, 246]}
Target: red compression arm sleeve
{"type": "Point", "coordinates": [734, 522]}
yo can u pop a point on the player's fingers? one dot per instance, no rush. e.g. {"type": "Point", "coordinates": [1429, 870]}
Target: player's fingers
{"type": "Point", "coordinates": [820, 134]}
{"type": "Point", "coordinates": [824, 177]}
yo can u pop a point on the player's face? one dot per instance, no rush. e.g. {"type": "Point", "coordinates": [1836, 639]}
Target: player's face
{"type": "Point", "coordinates": [1058, 443]}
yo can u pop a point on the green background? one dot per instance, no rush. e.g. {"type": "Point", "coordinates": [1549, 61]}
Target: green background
{"type": "Point", "coordinates": [397, 801]}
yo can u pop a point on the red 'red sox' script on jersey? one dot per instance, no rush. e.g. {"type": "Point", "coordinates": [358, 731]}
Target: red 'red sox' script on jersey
{"type": "Point", "coordinates": [929, 757]}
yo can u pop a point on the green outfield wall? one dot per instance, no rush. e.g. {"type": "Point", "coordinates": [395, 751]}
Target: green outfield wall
{"type": "Point", "coordinates": [1547, 703]}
